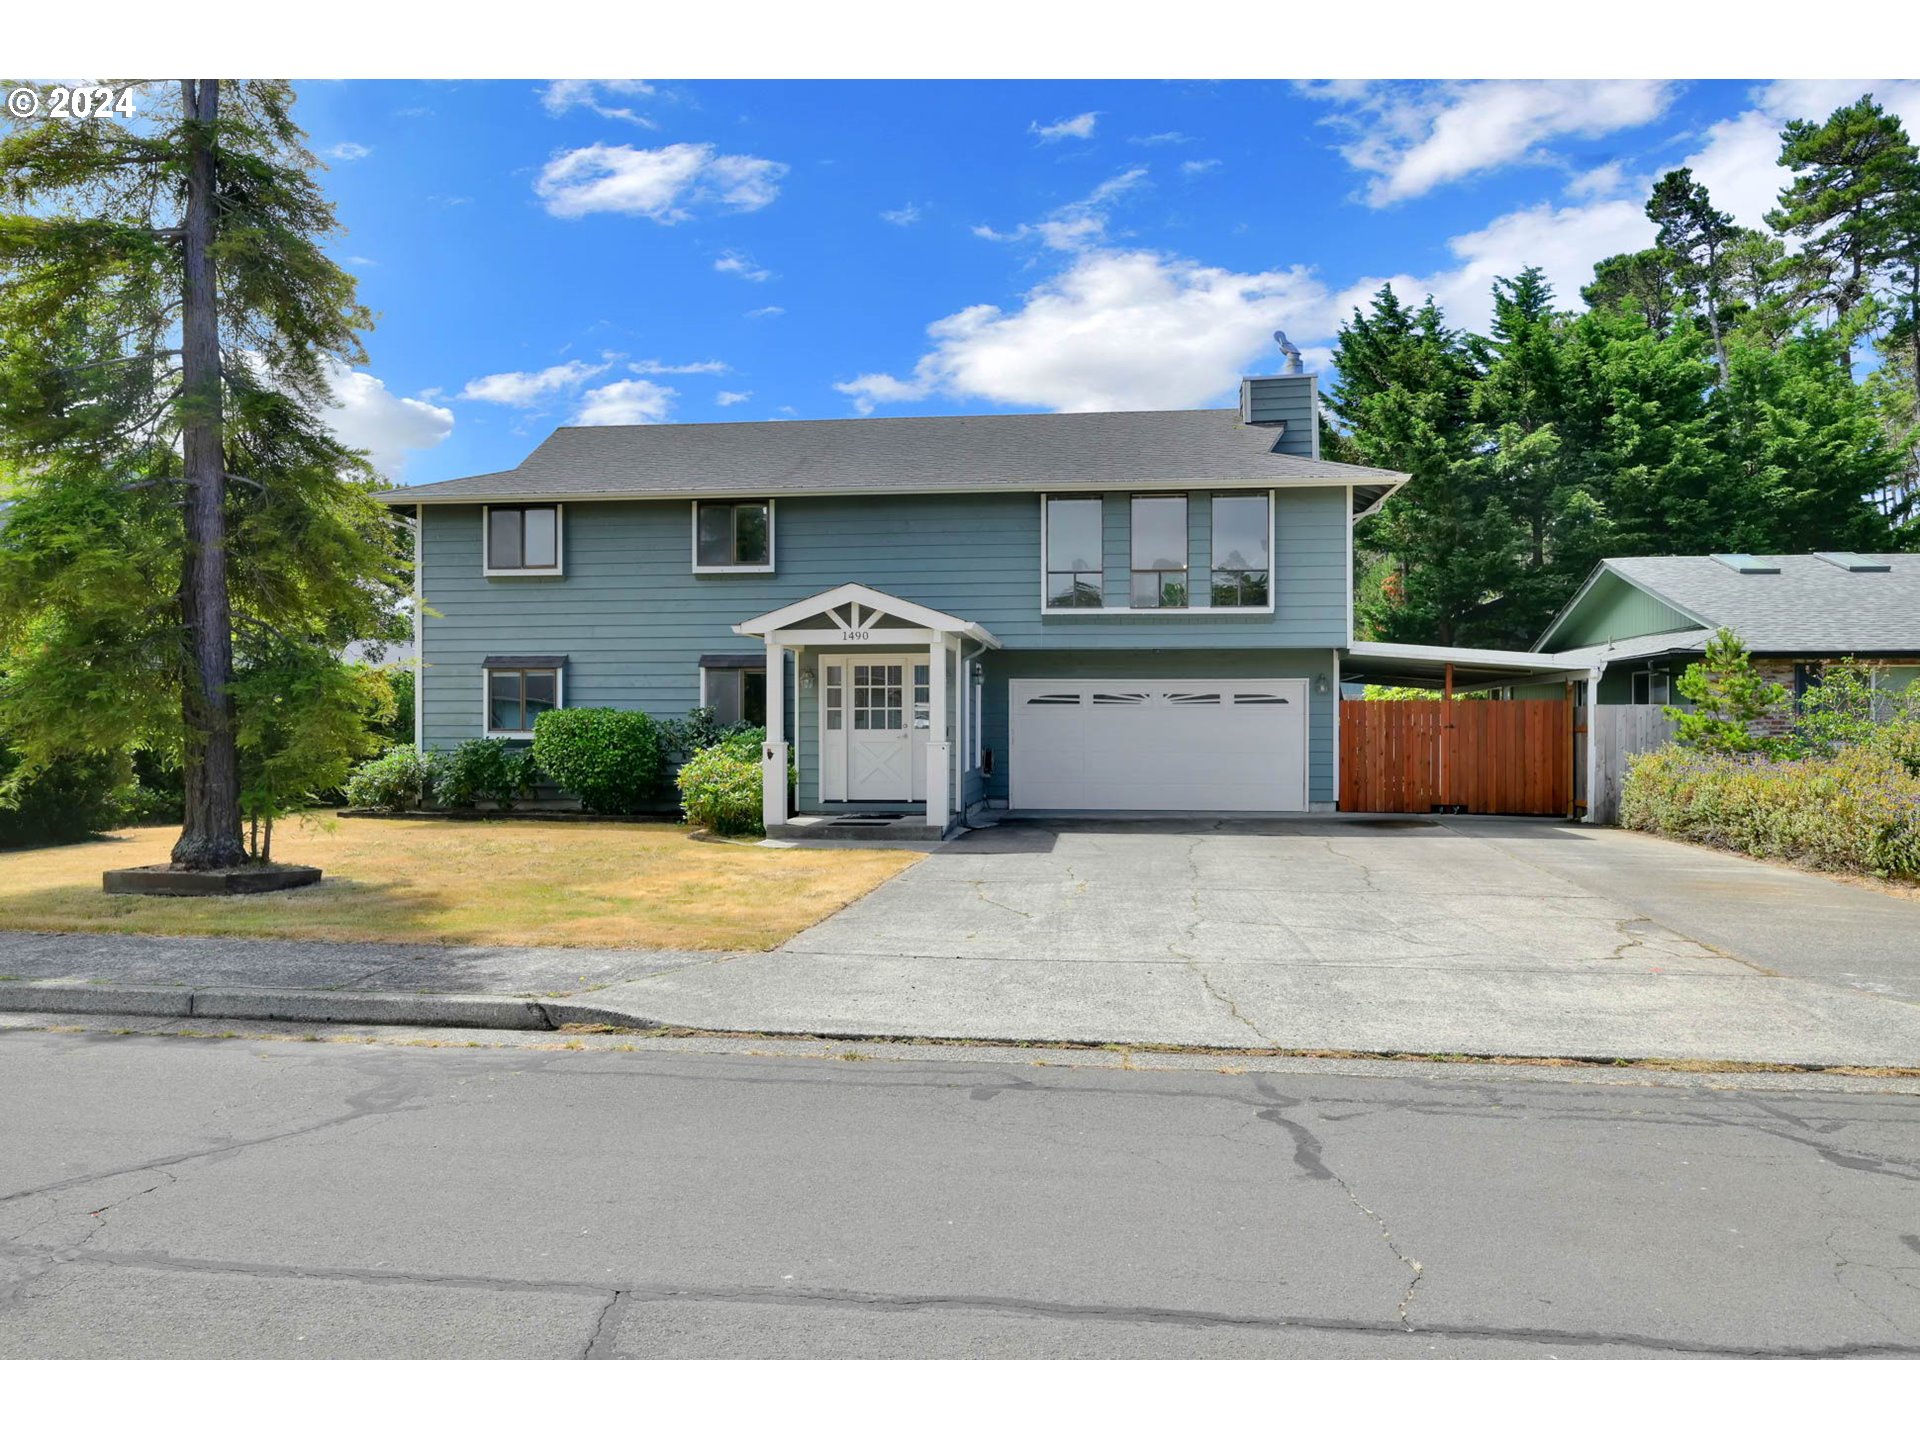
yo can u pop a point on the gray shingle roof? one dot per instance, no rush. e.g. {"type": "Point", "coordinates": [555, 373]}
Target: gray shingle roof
{"type": "Point", "coordinates": [930, 453]}
{"type": "Point", "coordinates": [1810, 608]}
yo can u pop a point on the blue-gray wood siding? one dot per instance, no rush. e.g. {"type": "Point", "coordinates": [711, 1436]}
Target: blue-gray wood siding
{"type": "Point", "coordinates": [1283, 398]}
{"type": "Point", "coordinates": [633, 620]}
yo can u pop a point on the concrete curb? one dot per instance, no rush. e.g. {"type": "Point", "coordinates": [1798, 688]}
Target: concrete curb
{"type": "Point", "coordinates": [329, 1007]}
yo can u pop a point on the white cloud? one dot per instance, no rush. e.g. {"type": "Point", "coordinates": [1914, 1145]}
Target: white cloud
{"type": "Point", "coordinates": [1413, 138]}
{"type": "Point", "coordinates": [767, 312]}
{"type": "Point", "coordinates": [665, 185]}
{"type": "Point", "coordinates": [907, 214]}
{"type": "Point", "coordinates": [1165, 137]}
{"type": "Point", "coordinates": [564, 95]}
{"type": "Point", "coordinates": [529, 387]}
{"type": "Point", "coordinates": [626, 402]}
{"type": "Point", "coordinates": [692, 367]}
{"type": "Point", "coordinates": [1077, 225]}
{"type": "Point", "coordinates": [733, 397]}
{"type": "Point", "coordinates": [368, 416]}
{"type": "Point", "coordinates": [1118, 330]}
{"type": "Point", "coordinates": [1197, 167]}
{"type": "Point", "coordinates": [1564, 241]}
{"type": "Point", "coordinates": [348, 150]}
{"type": "Point", "coordinates": [1739, 159]}
{"type": "Point", "coordinates": [1076, 127]}
{"type": "Point", "coordinates": [735, 263]}
{"type": "Point", "coordinates": [1600, 182]}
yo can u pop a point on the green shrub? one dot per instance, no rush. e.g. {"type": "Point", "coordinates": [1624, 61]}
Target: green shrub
{"type": "Point", "coordinates": [1856, 810]}
{"type": "Point", "coordinates": [400, 779]}
{"type": "Point", "coordinates": [720, 785]}
{"type": "Point", "coordinates": [479, 770]}
{"type": "Point", "coordinates": [612, 759]}
{"type": "Point", "coordinates": [69, 800]}
{"type": "Point", "coordinates": [1729, 701]}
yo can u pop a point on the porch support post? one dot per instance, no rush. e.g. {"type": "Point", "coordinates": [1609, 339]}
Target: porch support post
{"type": "Point", "coordinates": [939, 749]}
{"type": "Point", "coordinates": [773, 756]}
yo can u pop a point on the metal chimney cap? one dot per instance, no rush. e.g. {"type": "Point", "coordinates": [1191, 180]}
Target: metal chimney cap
{"type": "Point", "coordinates": [1290, 350]}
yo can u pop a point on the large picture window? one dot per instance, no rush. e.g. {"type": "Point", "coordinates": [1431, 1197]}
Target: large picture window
{"type": "Point", "coordinates": [518, 695]}
{"type": "Point", "coordinates": [1159, 552]}
{"type": "Point", "coordinates": [1074, 580]}
{"type": "Point", "coordinates": [733, 535]}
{"type": "Point", "coordinates": [523, 538]}
{"type": "Point", "coordinates": [1242, 538]}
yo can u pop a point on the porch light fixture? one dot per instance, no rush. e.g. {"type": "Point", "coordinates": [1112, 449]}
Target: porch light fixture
{"type": "Point", "coordinates": [1320, 684]}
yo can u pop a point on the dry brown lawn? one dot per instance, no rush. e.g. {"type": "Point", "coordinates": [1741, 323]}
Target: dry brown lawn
{"type": "Point", "coordinates": [517, 882]}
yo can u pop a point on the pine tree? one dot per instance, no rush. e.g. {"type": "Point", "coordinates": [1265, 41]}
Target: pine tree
{"type": "Point", "coordinates": [1729, 701]}
{"type": "Point", "coordinates": [1641, 282]}
{"type": "Point", "coordinates": [169, 321]}
{"type": "Point", "coordinates": [1701, 240]}
{"type": "Point", "coordinates": [1851, 172]}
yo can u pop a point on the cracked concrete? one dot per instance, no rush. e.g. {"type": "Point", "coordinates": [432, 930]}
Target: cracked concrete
{"type": "Point", "coordinates": [600, 1205]}
{"type": "Point", "coordinates": [1476, 937]}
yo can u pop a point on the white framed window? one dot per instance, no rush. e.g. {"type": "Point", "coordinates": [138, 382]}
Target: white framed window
{"type": "Point", "coordinates": [1159, 552]}
{"type": "Point", "coordinates": [737, 694]}
{"type": "Point", "coordinates": [521, 540]}
{"type": "Point", "coordinates": [1651, 687]}
{"type": "Point", "coordinates": [732, 537]}
{"type": "Point", "coordinates": [1242, 527]}
{"type": "Point", "coordinates": [516, 690]}
{"type": "Point", "coordinates": [1072, 534]}
{"type": "Point", "coordinates": [1237, 574]}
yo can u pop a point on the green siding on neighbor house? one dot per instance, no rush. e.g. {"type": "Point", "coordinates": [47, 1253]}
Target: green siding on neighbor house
{"type": "Point", "coordinates": [633, 620]}
{"type": "Point", "coordinates": [1614, 609]}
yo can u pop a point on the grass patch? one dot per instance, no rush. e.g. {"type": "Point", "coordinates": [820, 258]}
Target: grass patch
{"type": "Point", "coordinates": [644, 886]}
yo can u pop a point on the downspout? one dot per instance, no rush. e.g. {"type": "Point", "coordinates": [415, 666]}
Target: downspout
{"type": "Point", "coordinates": [1593, 749]}
{"type": "Point", "coordinates": [970, 742]}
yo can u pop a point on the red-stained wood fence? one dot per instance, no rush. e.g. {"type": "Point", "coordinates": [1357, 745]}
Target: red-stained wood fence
{"type": "Point", "coordinates": [1488, 757]}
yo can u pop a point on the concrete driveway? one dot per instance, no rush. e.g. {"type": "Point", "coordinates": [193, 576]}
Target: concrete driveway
{"type": "Point", "coordinates": [1459, 936]}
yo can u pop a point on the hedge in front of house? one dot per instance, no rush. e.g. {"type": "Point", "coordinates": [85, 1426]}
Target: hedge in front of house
{"type": "Point", "coordinates": [720, 785]}
{"type": "Point", "coordinates": [612, 759]}
{"type": "Point", "coordinates": [1857, 810]}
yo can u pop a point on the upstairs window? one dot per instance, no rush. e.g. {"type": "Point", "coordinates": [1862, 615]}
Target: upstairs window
{"type": "Point", "coordinates": [1242, 538]}
{"type": "Point", "coordinates": [1074, 580]}
{"type": "Point", "coordinates": [523, 539]}
{"type": "Point", "coordinates": [733, 535]}
{"type": "Point", "coordinates": [1159, 552]}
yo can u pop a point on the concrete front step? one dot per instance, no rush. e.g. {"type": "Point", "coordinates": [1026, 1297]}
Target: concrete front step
{"type": "Point", "coordinates": [857, 828]}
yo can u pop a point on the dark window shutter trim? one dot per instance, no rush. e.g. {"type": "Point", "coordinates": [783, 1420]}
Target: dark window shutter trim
{"type": "Point", "coordinates": [524, 662]}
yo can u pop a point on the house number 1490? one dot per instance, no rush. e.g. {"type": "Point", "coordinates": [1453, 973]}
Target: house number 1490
{"type": "Point", "coordinates": [856, 634]}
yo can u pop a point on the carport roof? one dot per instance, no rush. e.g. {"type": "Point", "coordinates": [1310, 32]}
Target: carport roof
{"type": "Point", "coordinates": [1381, 663]}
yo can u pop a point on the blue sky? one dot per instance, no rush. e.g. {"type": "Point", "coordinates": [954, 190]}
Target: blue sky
{"type": "Point", "coordinates": [627, 252]}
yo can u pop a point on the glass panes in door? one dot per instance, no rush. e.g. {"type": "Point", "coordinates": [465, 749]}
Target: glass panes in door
{"type": "Point", "coordinates": [878, 697]}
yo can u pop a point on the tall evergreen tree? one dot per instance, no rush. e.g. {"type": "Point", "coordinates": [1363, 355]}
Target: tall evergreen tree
{"type": "Point", "coordinates": [170, 322]}
{"type": "Point", "coordinates": [1642, 282]}
{"type": "Point", "coordinates": [1405, 399]}
{"type": "Point", "coordinates": [1851, 172]}
{"type": "Point", "coordinates": [1701, 240]}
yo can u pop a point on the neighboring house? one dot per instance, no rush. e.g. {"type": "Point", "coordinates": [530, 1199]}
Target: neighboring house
{"type": "Point", "coordinates": [1640, 622]}
{"type": "Point", "coordinates": [1119, 611]}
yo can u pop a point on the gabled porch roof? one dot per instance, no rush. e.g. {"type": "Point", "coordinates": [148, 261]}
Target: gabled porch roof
{"type": "Point", "coordinates": [855, 607]}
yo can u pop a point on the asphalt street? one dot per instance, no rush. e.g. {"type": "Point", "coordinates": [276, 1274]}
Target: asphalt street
{"type": "Point", "coordinates": [261, 1197]}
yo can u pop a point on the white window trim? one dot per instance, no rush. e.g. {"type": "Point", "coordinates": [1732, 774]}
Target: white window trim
{"type": "Point", "coordinates": [1105, 611]}
{"type": "Point", "coordinates": [693, 539]}
{"type": "Point", "coordinates": [559, 567]}
{"type": "Point", "coordinates": [486, 699]}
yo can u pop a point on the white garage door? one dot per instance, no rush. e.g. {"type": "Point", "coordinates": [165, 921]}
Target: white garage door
{"type": "Point", "coordinates": [1159, 744]}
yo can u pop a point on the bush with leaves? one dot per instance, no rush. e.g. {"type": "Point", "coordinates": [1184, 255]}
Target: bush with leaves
{"type": "Point", "coordinates": [69, 799]}
{"type": "Point", "coordinates": [485, 770]}
{"type": "Point", "coordinates": [720, 785]}
{"type": "Point", "coordinates": [1857, 810]}
{"type": "Point", "coordinates": [400, 779]}
{"type": "Point", "coordinates": [612, 759]}
{"type": "Point", "coordinates": [1729, 700]}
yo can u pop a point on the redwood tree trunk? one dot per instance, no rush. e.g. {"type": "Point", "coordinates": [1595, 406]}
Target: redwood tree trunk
{"type": "Point", "coordinates": [210, 837]}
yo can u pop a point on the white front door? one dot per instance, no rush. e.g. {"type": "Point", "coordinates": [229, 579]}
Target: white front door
{"type": "Point", "coordinates": [1159, 744]}
{"type": "Point", "coordinates": [884, 726]}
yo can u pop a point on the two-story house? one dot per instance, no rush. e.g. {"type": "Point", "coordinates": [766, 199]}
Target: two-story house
{"type": "Point", "coordinates": [1140, 610]}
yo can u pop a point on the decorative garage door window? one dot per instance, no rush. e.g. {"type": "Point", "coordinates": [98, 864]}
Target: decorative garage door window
{"type": "Point", "coordinates": [877, 697]}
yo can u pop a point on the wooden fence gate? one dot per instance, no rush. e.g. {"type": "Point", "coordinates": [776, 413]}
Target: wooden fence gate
{"type": "Point", "coordinates": [1487, 757]}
